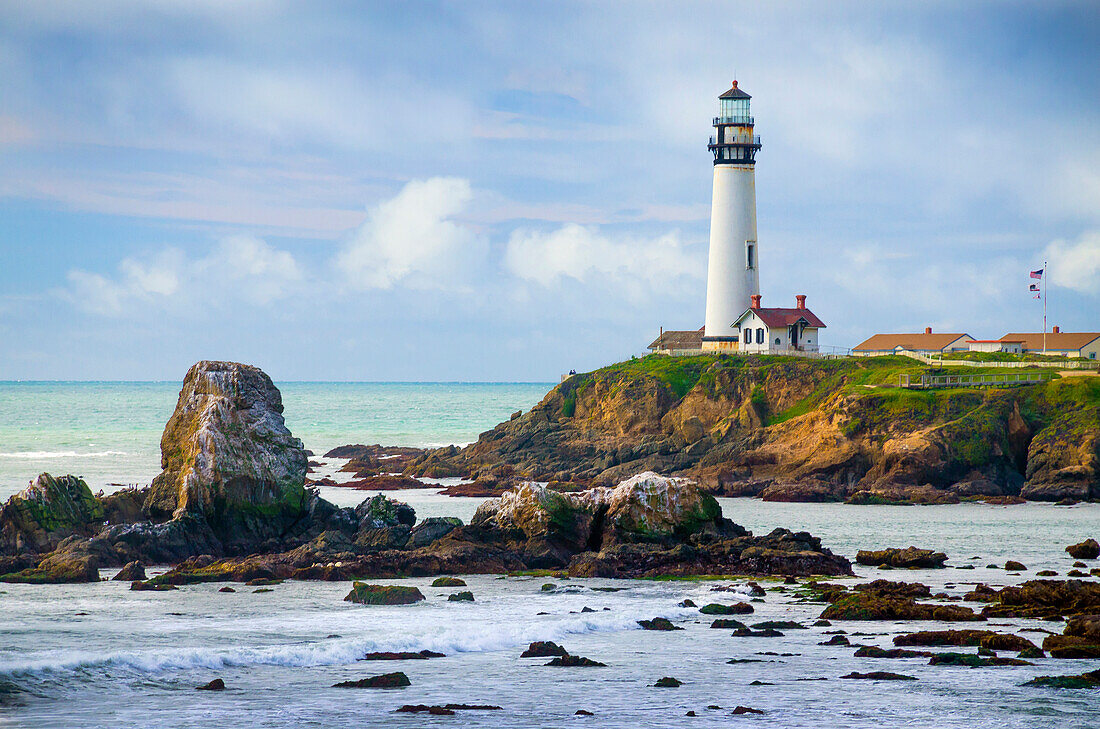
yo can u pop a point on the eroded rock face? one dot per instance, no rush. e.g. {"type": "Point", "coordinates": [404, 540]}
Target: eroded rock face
{"type": "Point", "coordinates": [227, 454]}
{"type": "Point", "coordinates": [646, 507]}
{"type": "Point", "coordinates": [51, 509]}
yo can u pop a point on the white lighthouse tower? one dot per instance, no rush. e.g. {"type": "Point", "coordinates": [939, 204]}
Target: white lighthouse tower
{"type": "Point", "coordinates": [732, 270]}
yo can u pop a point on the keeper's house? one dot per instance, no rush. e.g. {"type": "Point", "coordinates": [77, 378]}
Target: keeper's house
{"type": "Point", "coordinates": [926, 343]}
{"type": "Point", "coordinates": [778, 330]}
{"type": "Point", "coordinates": [1059, 343]}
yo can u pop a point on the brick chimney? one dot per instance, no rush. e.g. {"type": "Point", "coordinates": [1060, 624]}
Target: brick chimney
{"type": "Point", "coordinates": [1056, 330]}
{"type": "Point", "coordinates": [756, 301]}
{"type": "Point", "coordinates": [800, 301]}
{"type": "Point", "coordinates": [928, 330]}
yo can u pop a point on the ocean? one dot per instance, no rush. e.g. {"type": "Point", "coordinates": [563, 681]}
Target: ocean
{"type": "Point", "coordinates": [109, 432]}
{"type": "Point", "coordinates": [99, 655]}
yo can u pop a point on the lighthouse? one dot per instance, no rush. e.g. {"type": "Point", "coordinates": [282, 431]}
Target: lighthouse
{"type": "Point", "coordinates": [732, 269]}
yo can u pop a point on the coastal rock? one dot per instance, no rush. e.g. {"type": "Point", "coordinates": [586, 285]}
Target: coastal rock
{"type": "Point", "coordinates": [668, 682]}
{"type": "Point", "coordinates": [658, 624]}
{"type": "Point", "coordinates": [543, 649]}
{"type": "Point", "coordinates": [973, 661]}
{"type": "Point", "coordinates": [431, 529]}
{"type": "Point", "coordinates": [1090, 680]}
{"type": "Point", "coordinates": [874, 606]}
{"type": "Point", "coordinates": [910, 557]}
{"type": "Point", "coordinates": [61, 566]}
{"type": "Point", "coordinates": [379, 512]}
{"type": "Point", "coordinates": [1045, 598]}
{"type": "Point", "coordinates": [131, 571]}
{"type": "Point", "coordinates": [124, 506]}
{"type": "Point", "coordinates": [985, 638]}
{"type": "Point", "coordinates": [1014, 566]}
{"type": "Point", "coordinates": [1088, 549]}
{"type": "Point", "coordinates": [1071, 646]}
{"type": "Point", "coordinates": [880, 676]}
{"type": "Point", "coordinates": [228, 457]}
{"type": "Point", "coordinates": [464, 596]}
{"type": "Point", "coordinates": [715, 608]}
{"type": "Point", "coordinates": [48, 511]}
{"type": "Point", "coordinates": [365, 594]}
{"type": "Point", "coordinates": [1064, 462]}
{"type": "Point", "coordinates": [396, 679]}
{"type": "Point", "coordinates": [571, 661]}
{"type": "Point", "coordinates": [448, 582]}
{"type": "Point", "coordinates": [216, 685]}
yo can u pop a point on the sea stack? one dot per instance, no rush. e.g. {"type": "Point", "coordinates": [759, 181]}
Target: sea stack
{"type": "Point", "coordinates": [228, 456]}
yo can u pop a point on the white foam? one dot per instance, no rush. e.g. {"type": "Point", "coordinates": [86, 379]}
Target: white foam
{"type": "Point", "coordinates": [62, 454]}
{"type": "Point", "coordinates": [328, 652]}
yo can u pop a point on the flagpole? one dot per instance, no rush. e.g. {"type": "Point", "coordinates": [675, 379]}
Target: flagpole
{"type": "Point", "coordinates": [1047, 292]}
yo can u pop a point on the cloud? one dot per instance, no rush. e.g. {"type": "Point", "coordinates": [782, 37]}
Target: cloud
{"type": "Point", "coordinates": [239, 269]}
{"type": "Point", "coordinates": [584, 253]}
{"type": "Point", "coordinates": [1076, 265]}
{"type": "Point", "coordinates": [412, 239]}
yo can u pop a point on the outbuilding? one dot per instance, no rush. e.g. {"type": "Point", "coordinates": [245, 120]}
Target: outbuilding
{"type": "Point", "coordinates": [776, 330]}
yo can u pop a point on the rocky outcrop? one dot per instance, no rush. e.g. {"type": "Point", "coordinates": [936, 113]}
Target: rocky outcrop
{"type": "Point", "coordinates": [1088, 549]}
{"type": "Point", "coordinates": [229, 458]}
{"type": "Point", "coordinates": [48, 511]}
{"type": "Point", "coordinates": [666, 527]}
{"type": "Point", "coordinates": [796, 430]}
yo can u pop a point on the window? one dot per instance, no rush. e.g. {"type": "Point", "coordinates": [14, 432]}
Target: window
{"type": "Point", "coordinates": [777, 340]}
{"type": "Point", "coordinates": [1092, 355]}
{"type": "Point", "coordinates": [750, 254]}
{"type": "Point", "coordinates": [760, 336]}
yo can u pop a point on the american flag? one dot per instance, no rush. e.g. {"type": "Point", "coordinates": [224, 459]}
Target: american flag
{"type": "Point", "coordinates": [1037, 274]}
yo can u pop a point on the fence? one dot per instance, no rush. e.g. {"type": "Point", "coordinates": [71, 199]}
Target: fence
{"type": "Point", "coordinates": [1061, 364]}
{"type": "Point", "coordinates": [928, 382]}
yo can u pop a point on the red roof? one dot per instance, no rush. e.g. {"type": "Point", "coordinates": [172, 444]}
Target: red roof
{"type": "Point", "coordinates": [775, 318]}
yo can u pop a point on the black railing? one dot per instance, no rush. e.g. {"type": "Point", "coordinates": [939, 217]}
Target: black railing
{"type": "Point", "coordinates": [741, 120]}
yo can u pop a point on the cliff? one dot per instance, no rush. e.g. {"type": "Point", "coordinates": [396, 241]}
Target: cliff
{"type": "Point", "coordinates": [795, 429]}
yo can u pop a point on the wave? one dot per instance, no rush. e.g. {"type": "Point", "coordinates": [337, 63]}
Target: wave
{"type": "Point", "coordinates": [62, 454]}
{"type": "Point", "coordinates": [327, 652]}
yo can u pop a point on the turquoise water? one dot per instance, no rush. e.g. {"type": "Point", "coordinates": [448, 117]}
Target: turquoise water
{"type": "Point", "coordinates": [109, 432]}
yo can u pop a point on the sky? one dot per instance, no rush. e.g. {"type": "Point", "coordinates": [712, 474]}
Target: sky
{"type": "Point", "coordinates": [474, 191]}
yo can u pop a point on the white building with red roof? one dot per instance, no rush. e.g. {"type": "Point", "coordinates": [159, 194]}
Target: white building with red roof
{"type": "Point", "coordinates": [778, 330]}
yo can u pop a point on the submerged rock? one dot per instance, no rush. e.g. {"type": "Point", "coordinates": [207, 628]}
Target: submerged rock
{"type": "Point", "coordinates": [658, 624]}
{"type": "Point", "coordinates": [384, 681]}
{"type": "Point", "coordinates": [401, 656]}
{"type": "Point", "coordinates": [668, 682]}
{"type": "Point", "coordinates": [365, 594]}
{"type": "Point", "coordinates": [216, 685]}
{"type": "Point", "coordinates": [880, 676]}
{"type": "Point", "coordinates": [464, 596]}
{"type": "Point", "coordinates": [1090, 680]}
{"type": "Point", "coordinates": [571, 661]}
{"type": "Point", "coordinates": [973, 661]}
